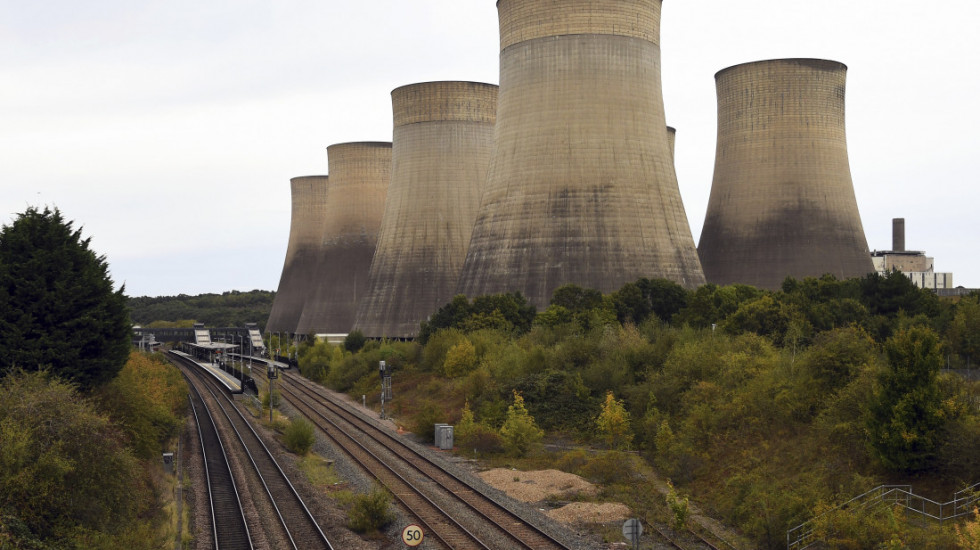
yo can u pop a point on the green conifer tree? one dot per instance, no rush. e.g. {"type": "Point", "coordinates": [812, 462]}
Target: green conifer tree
{"type": "Point", "coordinates": [58, 309]}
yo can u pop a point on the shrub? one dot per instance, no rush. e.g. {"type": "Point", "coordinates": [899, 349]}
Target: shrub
{"type": "Point", "coordinates": [274, 400]}
{"type": "Point", "coordinates": [466, 426]}
{"type": "Point", "coordinates": [460, 359]}
{"type": "Point", "coordinates": [64, 468]}
{"type": "Point", "coordinates": [611, 467]}
{"type": "Point", "coordinates": [354, 341]}
{"type": "Point", "coordinates": [299, 437]}
{"type": "Point", "coordinates": [485, 441]}
{"type": "Point", "coordinates": [679, 507]}
{"type": "Point", "coordinates": [370, 512]}
{"type": "Point", "coordinates": [424, 420]}
{"type": "Point", "coordinates": [146, 400]}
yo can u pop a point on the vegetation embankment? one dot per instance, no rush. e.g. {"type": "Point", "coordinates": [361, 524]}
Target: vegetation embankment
{"type": "Point", "coordinates": [766, 408]}
{"type": "Point", "coordinates": [83, 422]}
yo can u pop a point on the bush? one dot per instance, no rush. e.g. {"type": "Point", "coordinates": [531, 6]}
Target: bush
{"type": "Point", "coordinates": [610, 467]}
{"type": "Point", "coordinates": [354, 341]}
{"type": "Point", "coordinates": [678, 506]}
{"type": "Point", "coordinates": [371, 512]}
{"type": "Point", "coordinates": [64, 468]}
{"type": "Point", "coordinates": [424, 420]}
{"type": "Point", "coordinates": [439, 344]}
{"type": "Point", "coordinates": [485, 441]}
{"type": "Point", "coordinates": [460, 359]}
{"type": "Point", "coordinates": [299, 437]}
{"type": "Point", "coordinates": [274, 400]}
{"type": "Point", "coordinates": [147, 401]}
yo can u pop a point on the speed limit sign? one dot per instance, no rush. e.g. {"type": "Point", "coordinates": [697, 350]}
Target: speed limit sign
{"type": "Point", "coordinates": [412, 535]}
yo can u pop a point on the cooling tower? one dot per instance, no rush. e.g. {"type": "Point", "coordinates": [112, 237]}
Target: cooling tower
{"type": "Point", "coordinates": [359, 174]}
{"type": "Point", "coordinates": [671, 139]}
{"type": "Point", "coordinates": [443, 133]}
{"type": "Point", "coordinates": [309, 199]}
{"type": "Point", "coordinates": [581, 187]}
{"type": "Point", "coordinates": [782, 201]}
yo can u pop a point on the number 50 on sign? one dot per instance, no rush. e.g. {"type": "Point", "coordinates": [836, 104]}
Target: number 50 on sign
{"type": "Point", "coordinates": [412, 535]}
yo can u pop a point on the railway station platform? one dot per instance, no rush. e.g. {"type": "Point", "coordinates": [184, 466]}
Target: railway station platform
{"type": "Point", "coordinates": [234, 385]}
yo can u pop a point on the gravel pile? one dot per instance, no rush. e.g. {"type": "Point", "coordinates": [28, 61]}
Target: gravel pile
{"type": "Point", "coordinates": [591, 513]}
{"type": "Point", "coordinates": [538, 485]}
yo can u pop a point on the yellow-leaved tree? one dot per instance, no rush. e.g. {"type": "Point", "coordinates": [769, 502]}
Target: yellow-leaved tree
{"type": "Point", "coordinates": [613, 424]}
{"type": "Point", "coordinates": [519, 432]}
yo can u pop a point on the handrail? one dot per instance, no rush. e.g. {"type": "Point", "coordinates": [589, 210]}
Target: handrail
{"type": "Point", "coordinates": [801, 536]}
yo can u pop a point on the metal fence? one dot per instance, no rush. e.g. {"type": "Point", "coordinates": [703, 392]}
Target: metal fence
{"type": "Point", "coordinates": [803, 536]}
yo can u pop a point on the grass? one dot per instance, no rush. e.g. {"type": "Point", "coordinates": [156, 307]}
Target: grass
{"type": "Point", "coordinates": [319, 471]}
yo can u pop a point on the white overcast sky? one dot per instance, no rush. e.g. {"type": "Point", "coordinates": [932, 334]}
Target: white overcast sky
{"type": "Point", "coordinates": [169, 129]}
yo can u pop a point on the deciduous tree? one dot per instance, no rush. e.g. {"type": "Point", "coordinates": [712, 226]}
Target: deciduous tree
{"type": "Point", "coordinates": [519, 431]}
{"type": "Point", "coordinates": [613, 424]}
{"type": "Point", "coordinates": [907, 410]}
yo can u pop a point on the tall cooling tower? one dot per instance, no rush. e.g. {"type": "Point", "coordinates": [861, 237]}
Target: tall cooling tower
{"type": "Point", "coordinates": [359, 175]}
{"type": "Point", "coordinates": [309, 199]}
{"type": "Point", "coordinates": [581, 186]}
{"type": "Point", "coordinates": [782, 200]}
{"type": "Point", "coordinates": [443, 133]}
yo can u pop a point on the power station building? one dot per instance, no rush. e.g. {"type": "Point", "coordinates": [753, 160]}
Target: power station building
{"type": "Point", "coordinates": [581, 185]}
{"type": "Point", "coordinates": [359, 176]}
{"type": "Point", "coordinates": [309, 201]}
{"type": "Point", "coordinates": [443, 134]}
{"type": "Point", "coordinates": [914, 264]}
{"type": "Point", "coordinates": [782, 201]}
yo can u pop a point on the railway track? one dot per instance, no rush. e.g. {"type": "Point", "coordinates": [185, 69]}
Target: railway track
{"type": "Point", "coordinates": [229, 529]}
{"type": "Point", "coordinates": [394, 464]}
{"type": "Point", "coordinates": [301, 529]}
{"type": "Point", "coordinates": [700, 542]}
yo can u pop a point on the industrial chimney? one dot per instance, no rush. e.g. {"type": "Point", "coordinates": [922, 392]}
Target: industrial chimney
{"type": "Point", "coordinates": [782, 201]}
{"type": "Point", "coordinates": [359, 174]}
{"type": "Point", "coordinates": [581, 186]}
{"type": "Point", "coordinates": [443, 133]}
{"type": "Point", "coordinates": [309, 200]}
{"type": "Point", "coordinates": [898, 234]}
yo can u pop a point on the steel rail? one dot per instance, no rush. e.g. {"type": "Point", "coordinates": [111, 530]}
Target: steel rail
{"type": "Point", "coordinates": [270, 466]}
{"type": "Point", "coordinates": [221, 483]}
{"type": "Point", "coordinates": [463, 490]}
{"type": "Point", "coordinates": [404, 492]}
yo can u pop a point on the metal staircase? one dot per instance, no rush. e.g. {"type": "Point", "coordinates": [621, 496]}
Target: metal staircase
{"type": "Point", "coordinates": [803, 536]}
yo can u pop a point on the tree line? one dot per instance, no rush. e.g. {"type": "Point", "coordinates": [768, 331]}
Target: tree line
{"type": "Point", "coordinates": [228, 309]}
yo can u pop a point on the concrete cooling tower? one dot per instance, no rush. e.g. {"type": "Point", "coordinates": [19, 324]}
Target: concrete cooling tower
{"type": "Point", "coordinates": [359, 175]}
{"type": "Point", "coordinates": [782, 200]}
{"type": "Point", "coordinates": [581, 186]}
{"type": "Point", "coordinates": [309, 200]}
{"type": "Point", "coordinates": [443, 133]}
